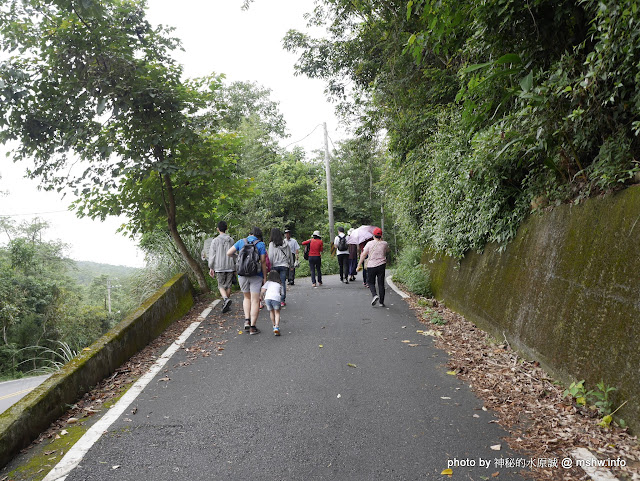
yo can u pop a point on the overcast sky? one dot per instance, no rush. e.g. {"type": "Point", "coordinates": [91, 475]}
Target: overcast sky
{"type": "Point", "coordinates": [219, 37]}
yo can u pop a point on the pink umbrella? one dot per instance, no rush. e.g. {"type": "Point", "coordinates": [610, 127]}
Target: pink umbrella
{"type": "Point", "coordinates": [361, 234]}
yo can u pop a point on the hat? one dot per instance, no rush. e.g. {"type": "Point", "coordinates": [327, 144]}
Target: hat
{"type": "Point", "coordinates": [377, 232]}
{"type": "Point", "coordinates": [286, 230]}
{"type": "Point", "coordinates": [316, 233]}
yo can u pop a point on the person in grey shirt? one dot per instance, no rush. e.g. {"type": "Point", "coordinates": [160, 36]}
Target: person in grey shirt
{"type": "Point", "coordinates": [221, 266]}
{"type": "Point", "coordinates": [295, 249]}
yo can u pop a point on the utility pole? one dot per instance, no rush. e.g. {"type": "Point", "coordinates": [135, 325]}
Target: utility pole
{"type": "Point", "coordinates": [328, 173]}
{"type": "Point", "coordinates": [109, 295]}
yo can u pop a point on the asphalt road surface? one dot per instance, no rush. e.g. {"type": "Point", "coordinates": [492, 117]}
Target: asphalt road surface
{"type": "Point", "coordinates": [12, 391]}
{"type": "Point", "coordinates": [339, 396]}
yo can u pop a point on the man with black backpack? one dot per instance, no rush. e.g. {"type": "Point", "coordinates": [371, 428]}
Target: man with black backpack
{"type": "Point", "coordinates": [251, 267]}
{"type": "Point", "coordinates": [342, 249]}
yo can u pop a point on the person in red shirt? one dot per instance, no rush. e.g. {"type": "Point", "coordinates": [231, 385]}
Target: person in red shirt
{"type": "Point", "coordinates": [315, 261]}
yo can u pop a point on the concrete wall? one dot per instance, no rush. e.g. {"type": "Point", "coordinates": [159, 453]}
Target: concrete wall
{"type": "Point", "coordinates": [34, 413]}
{"type": "Point", "coordinates": [566, 292]}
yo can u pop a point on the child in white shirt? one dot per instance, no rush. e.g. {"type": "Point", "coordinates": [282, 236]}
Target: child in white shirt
{"type": "Point", "coordinates": [272, 294]}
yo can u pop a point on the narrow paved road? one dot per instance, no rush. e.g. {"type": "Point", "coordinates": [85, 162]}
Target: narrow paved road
{"type": "Point", "coordinates": [339, 396]}
{"type": "Point", "coordinates": [12, 391]}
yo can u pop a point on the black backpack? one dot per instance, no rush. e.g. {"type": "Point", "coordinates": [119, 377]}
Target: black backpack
{"type": "Point", "coordinates": [305, 254]}
{"type": "Point", "coordinates": [249, 259]}
{"type": "Point", "coordinates": [342, 243]}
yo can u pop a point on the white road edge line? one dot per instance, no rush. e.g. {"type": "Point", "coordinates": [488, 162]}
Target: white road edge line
{"type": "Point", "coordinates": [587, 461]}
{"type": "Point", "coordinates": [581, 455]}
{"type": "Point", "coordinates": [396, 288]}
{"type": "Point", "coordinates": [80, 448]}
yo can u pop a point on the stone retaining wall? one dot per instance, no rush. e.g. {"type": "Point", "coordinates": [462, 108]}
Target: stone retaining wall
{"type": "Point", "coordinates": [34, 413]}
{"type": "Point", "coordinates": [566, 292]}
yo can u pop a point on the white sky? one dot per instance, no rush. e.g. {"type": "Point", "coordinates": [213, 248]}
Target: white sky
{"type": "Point", "coordinates": [217, 36]}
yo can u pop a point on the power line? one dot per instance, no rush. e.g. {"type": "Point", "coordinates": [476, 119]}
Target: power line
{"type": "Point", "coordinates": [298, 141]}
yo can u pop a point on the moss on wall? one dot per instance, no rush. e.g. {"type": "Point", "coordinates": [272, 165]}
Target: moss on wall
{"type": "Point", "coordinates": [566, 291]}
{"type": "Point", "coordinates": [26, 419]}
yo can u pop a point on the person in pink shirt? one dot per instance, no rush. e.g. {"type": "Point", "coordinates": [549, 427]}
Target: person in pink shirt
{"type": "Point", "coordinates": [376, 250]}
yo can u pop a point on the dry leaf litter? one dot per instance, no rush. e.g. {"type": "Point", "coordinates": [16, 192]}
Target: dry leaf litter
{"type": "Point", "coordinates": [542, 424]}
{"type": "Point", "coordinates": [525, 399]}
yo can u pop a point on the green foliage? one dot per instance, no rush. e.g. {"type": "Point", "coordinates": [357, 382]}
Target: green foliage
{"type": "Point", "coordinates": [576, 391]}
{"type": "Point", "coordinates": [491, 109]}
{"type": "Point", "coordinates": [43, 310]}
{"type": "Point", "coordinates": [598, 399]}
{"type": "Point", "coordinates": [99, 82]}
{"type": "Point", "coordinates": [410, 272]}
{"type": "Point", "coordinates": [329, 266]}
{"type": "Point", "coordinates": [47, 359]}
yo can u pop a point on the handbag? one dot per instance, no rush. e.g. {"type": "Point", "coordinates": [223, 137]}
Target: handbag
{"type": "Point", "coordinates": [306, 251]}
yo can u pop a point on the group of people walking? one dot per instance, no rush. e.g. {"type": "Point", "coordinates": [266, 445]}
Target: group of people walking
{"type": "Point", "coordinates": [265, 272]}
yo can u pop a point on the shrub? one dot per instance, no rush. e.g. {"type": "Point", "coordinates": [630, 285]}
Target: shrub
{"type": "Point", "coordinates": [329, 266]}
{"type": "Point", "coordinates": [410, 272]}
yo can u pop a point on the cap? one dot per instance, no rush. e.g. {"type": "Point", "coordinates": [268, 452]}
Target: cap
{"type": "Point", "coordinates": [286, 230]}
{"type": "Point", "coordinates": [377, 232]}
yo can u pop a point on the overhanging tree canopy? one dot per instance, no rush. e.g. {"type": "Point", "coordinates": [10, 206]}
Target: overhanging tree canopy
{"type": "Point", "coordinates": [92, 95]}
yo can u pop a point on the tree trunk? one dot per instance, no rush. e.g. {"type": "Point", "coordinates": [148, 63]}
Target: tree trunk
{"type": "Point", "coordinates": [170, 206]}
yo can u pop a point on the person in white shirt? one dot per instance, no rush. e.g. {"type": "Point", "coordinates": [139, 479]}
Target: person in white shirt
{"type": "Point", "coordinates": [295, 249]}
{"type": "Point", "coordinates": [272, 295]}
{"type": "Point", "coordinates": [342, 250]}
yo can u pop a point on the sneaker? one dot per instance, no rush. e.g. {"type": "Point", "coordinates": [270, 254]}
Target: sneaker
{"type": "Point", "coordinates": [374, 301]}
{"type": "Point", "coordinates": [247, 325]}
{"type": "Point", "coordinates": [276, 330]}
{"type": "Point", "coordinates": [314, 285]}
{"type": "Point", "coordinates": [347, 281]}
{"type": "Point", "coordinates": [282, 304]}
{"type": "Point", "coordinates": [382, 304]}
{"type": "Point", "coordinates": [254, 330]}
{"type": "Point", "coordinates": [226, 305]}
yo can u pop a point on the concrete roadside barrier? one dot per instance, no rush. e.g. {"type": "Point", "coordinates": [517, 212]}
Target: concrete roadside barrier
{"type": "Point", "coordinates": [34, 413]}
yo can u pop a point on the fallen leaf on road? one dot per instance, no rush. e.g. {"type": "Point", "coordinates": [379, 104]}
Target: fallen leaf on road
{"type": "Point", "coordinates": [339, 396]}
{"type": "Point", "coordinates": [445, 397]}
{"type": "Point", "coordinates": [496, 474]}
{"type": "Point", "coordinates": [451, 373]}
{"type": "Point", "coordinates": [164, 379]}
{"type": "Point", "coordinates": [496, 447]}
{"type": "Point", "coordinates": [351, 365]}
{"type": "Point", "coordinates": [64, 432]}
{"type": "Point", "coordinates": [419, 331]}
{"type": "Point", "coordinates": [448, 472]}
{"type": "Point", "coordinates": [72, 420]}
{"type": "Point", "coordinates": [406, 341]}
{"type": "Point", "coordinates": [320, 346]}
{"type": "Point", "coordinates": [86, 349]}
{"type": "Point", "coordinates": [413, 345]}
{"type": "Point", "coordinates": [239, 332]}
{"type": "Point", "coordinates": [117, 466]}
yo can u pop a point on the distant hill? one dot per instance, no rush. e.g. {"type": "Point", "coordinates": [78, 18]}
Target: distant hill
{"type": "Point", "coordinates": [87, 271]}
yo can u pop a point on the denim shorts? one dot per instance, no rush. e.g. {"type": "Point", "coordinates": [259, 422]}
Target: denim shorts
{"type": "Point", "coordinates": [272, 305]}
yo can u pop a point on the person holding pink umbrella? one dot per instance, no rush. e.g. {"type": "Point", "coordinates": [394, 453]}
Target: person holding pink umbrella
{"type": "Point", "coordinates": [376, 251]}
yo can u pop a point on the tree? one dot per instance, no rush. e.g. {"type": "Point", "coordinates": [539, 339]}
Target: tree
{"type": "Point", "coordinates": [491, 109]}
{"type": "Point", "coordinates": [94, 81]}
